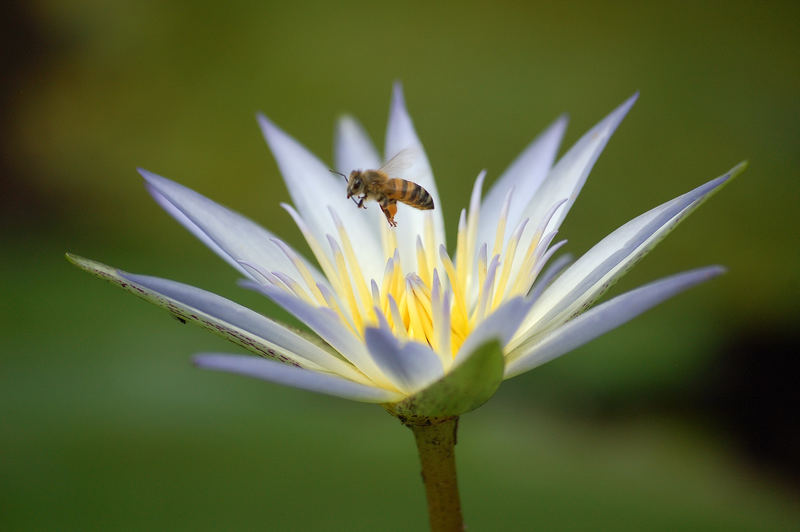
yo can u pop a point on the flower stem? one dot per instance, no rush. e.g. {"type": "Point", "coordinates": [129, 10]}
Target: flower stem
{"type": "Point", "coordinates": [436, 443]}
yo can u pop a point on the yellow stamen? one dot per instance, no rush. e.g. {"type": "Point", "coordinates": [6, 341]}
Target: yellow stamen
{"type": "Point", "coordinates": [405, 319]}
{"type": "Point", "coordinates": [511, 251]}
{"type": "Point", "coordinates": [399, 328]}
{"type": "Point", "coordinates": [460, 320]}
{"type": "Point", "coordinates": [430, 243]}
{"type": "Point", "coordinates": [461, 251]}
{"type": "Point", "coordinates": [422, 263]}
{"type": "Point", "coordinates": [331, 303]}
{"type": "Point", "coordinates": [294, 287]}
{"type": "Point", "coordinates": [389, 241]}
{"type": "Point", "coordinates": [302, 269]}
{"type": "Point", "coordinates": [445, 334]}
{"type": "Point", "coordinates": [500, 234]}
{"type": "Point", "coordinates": [482, 260]}
{"type": "Point", "coordinates": [485, 292]}
{"type": "Point", "coordinates": [347, 289]}
{"type": "Point", "coordinates": [386, 284]}
{"type": "Point", "coordinates": [472, 228]}
{"type": "Point", "coordinates": [417, 328]}
{"type": "Point", "coordinates": [524, 276]}
{"type": "Point", "coordinates": [522, 281]}
{"type": "Point", "coordinates": [316, 249]}
{"type": "Point", "coordinates": [422, 297]}
{"type": "Point", "coordinates": [355, 269]}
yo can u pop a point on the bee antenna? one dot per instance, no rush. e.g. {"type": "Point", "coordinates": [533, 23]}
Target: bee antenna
{"type": "Point", "coordinates": [337, 173]}
{"type": "Point", "coordinates": [345, 178]}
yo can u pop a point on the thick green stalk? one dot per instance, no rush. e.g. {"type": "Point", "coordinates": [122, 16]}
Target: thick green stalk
{"type": "Point", "coordinates": [436, 443]}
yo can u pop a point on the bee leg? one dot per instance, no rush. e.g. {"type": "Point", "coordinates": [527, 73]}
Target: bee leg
{"type": "Point", "coordinates": [389, 210]}
{"type": "Point", "coordinates": [361, 201]}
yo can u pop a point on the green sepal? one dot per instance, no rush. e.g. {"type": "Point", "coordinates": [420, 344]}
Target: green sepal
{"type": "Point", "coordinates": [465, 388]}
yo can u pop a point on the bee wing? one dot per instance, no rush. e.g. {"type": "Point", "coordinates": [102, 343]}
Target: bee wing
{"type": "Point", "coordinates": [402, 160]}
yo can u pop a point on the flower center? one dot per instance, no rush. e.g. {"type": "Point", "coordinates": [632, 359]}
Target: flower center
{"type": "Point", "coordinates": [441, 301]}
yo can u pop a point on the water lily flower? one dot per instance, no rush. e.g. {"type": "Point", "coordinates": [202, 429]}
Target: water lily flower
{"type": "Point", "coordinates": [398, 319]}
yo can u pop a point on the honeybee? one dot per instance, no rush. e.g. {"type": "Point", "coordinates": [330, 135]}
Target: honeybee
{"type": "Point", "coordinates": [387, 191]}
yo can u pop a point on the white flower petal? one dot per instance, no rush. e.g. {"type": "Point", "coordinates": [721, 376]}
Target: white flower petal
{"type": "Point", "coordinates": [229, 234]}
{"type": "Point", "coordinates": [295, 377]}
{"type": "Point", "coordinates": [400, 134]}
{"type": "Point", "coordinates": [410, 367]}
{"type": "Point", "coordinates": [569, 174]}
{"type": "Point", "coordinates": [525, 175]}
{"type": "Point", "coordinates": [226, 312]}
{"type": "Point", "coordinates": [185, 221]}
{"type": "Point", "coordinates": [598, 268]}
{"type": "Point", "coordinates": [550, 273]}
{"type": "Point", "coordinates": [602, 319]}
{"type": "Point", "coordinates": [225, 318]}
{"type": "Point", "coordinates": [500, 325]}
{"type": "Point", "coordinates": [314, 189]}
{"type": "Point", "coordinates": [353, 149]}
{"type": "Point", "coordinates": [326, 323]}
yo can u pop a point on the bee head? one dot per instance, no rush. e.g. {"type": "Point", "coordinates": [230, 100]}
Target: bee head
{"type": "Point", "coordinates": [355, 184]}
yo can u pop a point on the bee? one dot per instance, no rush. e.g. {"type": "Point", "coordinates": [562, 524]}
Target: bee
{"type": "Point", "coordinates": [387, 191]}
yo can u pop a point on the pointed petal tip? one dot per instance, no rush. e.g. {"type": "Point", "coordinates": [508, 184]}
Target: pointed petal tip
{"type": "Point", "coordinates": [559, 125]}
{"type": "Point", "coordinates": [739, 168]}
{"type": "Point", "coordinates": [268, 127]}
{"type": "Point", "coordinates": [153, 180]}
{"type": "Point", "coordinates": [397, 107]}
{"type": "Point", "coordinates": [98, 269]}
{"type": "Point", "coordinates": [397, 91]}
{"type": "Point", "coordinates": [85, 264]}
{"type": "Point", "coordinates": [625, 106]}
{"type": "Point", "coordinates": [206, 360]}
{"type": "Point", "coordinates": [80, 262]}
{"type": "Point", "coordinates": [146, 174]}
{"type": "Point", "coordinates": [728, 176]}
{"type": "Point", "coordinates": [346, 120]}
{"type": "Point", "coordinates": [715, 271]}
{"type": "Point", "coordinates": [605, 317]}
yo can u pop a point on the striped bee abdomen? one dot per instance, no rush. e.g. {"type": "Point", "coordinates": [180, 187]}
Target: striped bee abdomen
{"type": "Point", "coordinates": [411, 194]}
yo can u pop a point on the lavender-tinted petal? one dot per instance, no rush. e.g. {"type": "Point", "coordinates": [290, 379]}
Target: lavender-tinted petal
{"type": "Point", "coordinates": [229, 234]}
{"type": "Point", "coordinates": [602, 319]}
{"type": "Point", "coordinates": [326, 323]}
{"type": "Point", "coordinates": [569, 174]}
{"type": "Point", "coordinates": [353, 149]}
{"type": "Point", "coordinates": [314, 190]}
{"type": "Point", "coordinates": [598, 268]}
{"type": "Point", "coordinates": [409, 367]}
{"type": "Point", "coordinates": [400, 135]}
{"type": "Point", "coordinates": [223, 317]}
{"type": "Point", "coordinates": [295, 377]}
{"type": "Point", "coordinates": [524, 175]}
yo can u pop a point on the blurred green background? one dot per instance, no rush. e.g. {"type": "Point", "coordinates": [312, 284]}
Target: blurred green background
{"type": "Point", "coordinates": [684, 419]}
